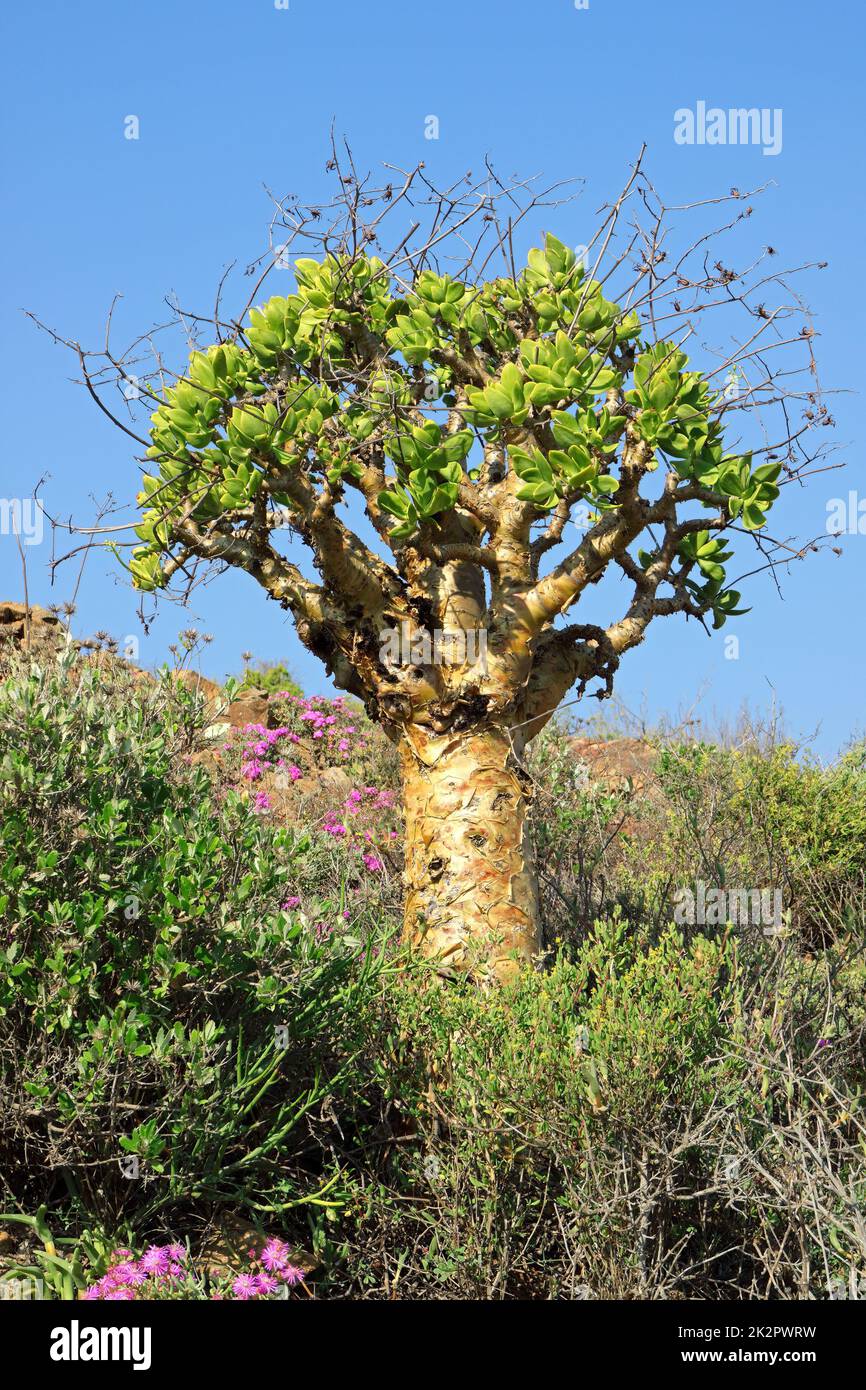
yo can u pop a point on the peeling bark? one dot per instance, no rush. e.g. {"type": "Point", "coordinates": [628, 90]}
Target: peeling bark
{"type": "Point", "coordinates": [471, 890]}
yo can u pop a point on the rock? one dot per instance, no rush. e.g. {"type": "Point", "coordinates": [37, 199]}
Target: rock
{"type": "Point", "coordinates": [334, 782]}
{"type": "Point", "coordinates": [249, 710]}
{"type": "Point", "coordinates": [12, 612]}
{"type": "Point", "coordinates": [47, 633]}
{"type": "Point", "coordinates": [198, 684]}
{"type": "Point", "coordinates": [614, 761]}
{"type": "Point", "coordinates": [613, 764]}
{"type": "Point", "coordinates": [229, 1250]}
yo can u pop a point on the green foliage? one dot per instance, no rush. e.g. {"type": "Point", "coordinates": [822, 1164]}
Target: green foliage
{"type": "Point", "coordinates": [620, 1027]}
{"type": "Point", "coordinates": [617, 1125]}
{"type": "Point", "coordinates": [767, 816]}
{"type": "Point", "coordinates": [429, 469]}
{"type": "Point", "coordinates": [547, 345]}
{"type": "Point", "coordinates": [155, 1001]}
{"type": "Point", "coordinates": [754, 812]}
{"type": "Point", "coordinates": [271, 677]}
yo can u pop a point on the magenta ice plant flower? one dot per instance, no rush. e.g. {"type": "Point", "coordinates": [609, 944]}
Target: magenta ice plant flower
{"type": "Point", "coordinates": [245, 1286]}
{"type": "Point", "coordinates": [275, 1254]}
{"type": "Point", "coordinates": [127, 1272]}
{"type": "Point", "coordinates": [160, 1265]}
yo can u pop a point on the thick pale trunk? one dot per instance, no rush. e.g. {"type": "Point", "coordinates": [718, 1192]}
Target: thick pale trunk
{"type": "Point", "coordinates": [471, 891]}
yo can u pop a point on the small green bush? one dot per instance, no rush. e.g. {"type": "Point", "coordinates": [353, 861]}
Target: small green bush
{"type": "Point", "coordinates": [271, 677]}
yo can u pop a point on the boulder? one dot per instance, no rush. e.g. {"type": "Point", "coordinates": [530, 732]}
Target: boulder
{"type": "Point", "coordinates": [198, 684]}
{"type": "Point", "coordinates": [250, 709]}
{"type": "Point", "coordinates": [612, 762]}
{"type": "Point", "coordinates": [46, 632]}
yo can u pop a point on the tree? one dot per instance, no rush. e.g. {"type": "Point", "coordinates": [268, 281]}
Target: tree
{"type": "Point", "coordinates": [471, 413]}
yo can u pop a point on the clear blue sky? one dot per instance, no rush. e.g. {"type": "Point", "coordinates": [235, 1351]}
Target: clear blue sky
{"type": "Point", "coordinates": [233, 94]}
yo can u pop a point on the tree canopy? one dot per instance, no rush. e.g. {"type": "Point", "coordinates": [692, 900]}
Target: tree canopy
{"type": "Point", "coordinates": [508, 431]}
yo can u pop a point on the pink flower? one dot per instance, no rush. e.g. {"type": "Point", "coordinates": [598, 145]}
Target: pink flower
{"type": "Point", "coordinates": [262, 801]}
{"type": "Point", "coordinates": [292, 1275]}
{"type": "Point", "coordinates": [245, 1286]}
{"type": "Point", "coordinates": [127, 1272]}
{"type": "Point", "coordinates": [119, 1295]}
{"type": "Point", "coordinates": [372, 863]}
{"type": "Point", "coordinates": [290, 904]}
{"type": "Point", "coordinates": [267, 1284]}
{"type": "Point", "coordinates": [275, 1254]}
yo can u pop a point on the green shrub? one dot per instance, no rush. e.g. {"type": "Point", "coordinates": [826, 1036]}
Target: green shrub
{"type": "Point", "coordinates": [579, 831]}
{"type": "Point", "coordinates": [271, 677]}
{"type": "Point", "coordinates": [155, 1001]}
{"type": "Point", "coordinates": [747, 817]}
{"type": "Point", "coordinates": [772, 818]}
{"type": "Point", "coordinates": [656, 1117]}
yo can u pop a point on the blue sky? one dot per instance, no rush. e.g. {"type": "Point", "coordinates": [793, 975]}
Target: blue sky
{"type": "Point", "coordinates": [234, 95]}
